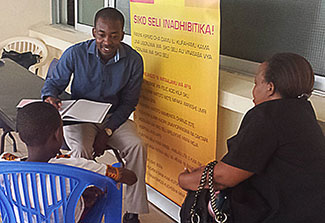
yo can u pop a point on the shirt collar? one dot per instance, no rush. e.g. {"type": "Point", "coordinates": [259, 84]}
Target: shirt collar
{"type": "Point", "coordinates": [120, 53]}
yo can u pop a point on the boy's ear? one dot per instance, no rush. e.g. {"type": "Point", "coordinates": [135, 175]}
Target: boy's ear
{"type": "Point", "coordinates": [58, 135]}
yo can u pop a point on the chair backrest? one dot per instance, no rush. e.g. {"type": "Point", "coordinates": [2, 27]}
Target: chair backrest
{"type": "Point", "coordinates": [23, 44]}
{"type": "Point", "coordinates": [43, 192]}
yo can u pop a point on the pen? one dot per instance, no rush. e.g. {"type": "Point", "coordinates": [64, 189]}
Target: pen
{"type": "Point", "coordinates": [58, 103]}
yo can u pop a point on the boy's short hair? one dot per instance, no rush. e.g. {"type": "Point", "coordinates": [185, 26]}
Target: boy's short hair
{"type": "Point", "coordinates": [36, 122]}
{"type": "Point", "coordinates": [110, 14]}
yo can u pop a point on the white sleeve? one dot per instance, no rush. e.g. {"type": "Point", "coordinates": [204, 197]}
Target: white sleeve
{"type": "Point", "coordinates": [9, 157]}
{"type": "Point", "coordinates": [81, 163]}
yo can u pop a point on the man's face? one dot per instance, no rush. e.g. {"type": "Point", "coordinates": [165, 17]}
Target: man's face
{"type": "Point", "coordinates": [108, 34]}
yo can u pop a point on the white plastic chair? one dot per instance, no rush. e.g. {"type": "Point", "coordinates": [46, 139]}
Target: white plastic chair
{"type": "Point", "coordinates": [23, 44]}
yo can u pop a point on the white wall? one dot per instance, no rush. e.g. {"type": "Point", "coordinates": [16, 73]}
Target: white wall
{"type": "Point", "coordinates": [18, 15]}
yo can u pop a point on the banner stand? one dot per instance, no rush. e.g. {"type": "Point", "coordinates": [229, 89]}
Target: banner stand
{"type": "Point", "coordinates": [163, 203]}
{"type": "Point", "coordinates": [177, 111]}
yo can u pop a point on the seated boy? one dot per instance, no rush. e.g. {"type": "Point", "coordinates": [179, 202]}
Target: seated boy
{"type": "Point", "coordinates": [40, 127]}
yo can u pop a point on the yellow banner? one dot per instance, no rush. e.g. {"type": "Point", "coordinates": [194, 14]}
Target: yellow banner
{"type": "Point", "coordinates": [177, 111]}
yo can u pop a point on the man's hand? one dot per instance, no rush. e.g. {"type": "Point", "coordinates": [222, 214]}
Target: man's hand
{"type": "Point", "coordinates": [54, 101]}
{"type": "Point", "coordinates": [100, 143]}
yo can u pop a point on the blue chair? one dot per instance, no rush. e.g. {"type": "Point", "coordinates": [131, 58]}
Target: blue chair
{"type": "Point", "coordinates": [21, 182]}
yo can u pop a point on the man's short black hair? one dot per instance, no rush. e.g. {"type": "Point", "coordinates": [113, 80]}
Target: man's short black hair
{"type": "Point", "coordinates": [36, 122]}
{"type": "Point", "coordinates": [110, 14]}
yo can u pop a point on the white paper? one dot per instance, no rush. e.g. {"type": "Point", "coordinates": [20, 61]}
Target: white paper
{"type": "Point", "coordinates": [81, 110]}
{"type": "Point", "coordinates": [65, 105]}
{"type": "Point", "coordinates": [85, 111]}
{"type": "Point", "coordinates": [24, 102]}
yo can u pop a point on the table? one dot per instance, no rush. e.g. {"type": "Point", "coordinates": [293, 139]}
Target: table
{"type": "Point", "coordinates": [16, 83]}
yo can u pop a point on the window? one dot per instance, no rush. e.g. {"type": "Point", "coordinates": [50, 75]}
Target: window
{"type": "Point", "coordinates": [124, 7]}
{"type": "Point", "coordinates": [254, 30]}
{"type": "Point", "coordinates": [80, 13]}
{"type": "Point", "coordinates": [86, 11]}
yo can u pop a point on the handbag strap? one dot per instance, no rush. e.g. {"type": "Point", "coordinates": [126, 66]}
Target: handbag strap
{"type": "Point", "coordinates": [220, 216]}
{"type": "Point", "coordinates": [208, 167]}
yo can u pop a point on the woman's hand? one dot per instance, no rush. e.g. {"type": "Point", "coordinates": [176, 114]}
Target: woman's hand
{"type": "Point", "coordinates": [190, 180]}
{"type": "Point", "coordinates": [224, 176]}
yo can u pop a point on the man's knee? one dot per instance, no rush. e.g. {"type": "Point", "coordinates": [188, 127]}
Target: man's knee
{"type": "Point", "coordinates": [79, 150]}
{"type": "Point", "coordinates": [136, 148]}
{"type": "Point", "coordinates": [139, 145]}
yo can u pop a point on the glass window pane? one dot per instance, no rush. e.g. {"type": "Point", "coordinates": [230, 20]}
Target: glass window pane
{"type": "Point", "coordinates": [87, 10]}
{"type": "Point", "coordinates": [254, 29]}
{"type": "Point", "coordinates": [124, 7]}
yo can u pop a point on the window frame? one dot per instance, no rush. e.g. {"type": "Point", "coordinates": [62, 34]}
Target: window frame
{"type": "Point", "coordinates": [249, 68]}
{"type": "Point", "coordinates": [88, 29]}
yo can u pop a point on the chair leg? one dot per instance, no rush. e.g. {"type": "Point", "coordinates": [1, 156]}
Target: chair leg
{"type": "Point", "coordinates": [3, 137]}
{"type": "Point", "coordinates": [3, 141]}
{"type": "Point", "coordinates": [118, 157]}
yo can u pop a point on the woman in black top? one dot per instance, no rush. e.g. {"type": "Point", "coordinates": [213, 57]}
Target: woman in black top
{"type": "Point", "coordinates": [275, 164]}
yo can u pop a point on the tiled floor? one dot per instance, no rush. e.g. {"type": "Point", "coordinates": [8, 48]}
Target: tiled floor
{"type": "Point", "coordinates": [154, 216]}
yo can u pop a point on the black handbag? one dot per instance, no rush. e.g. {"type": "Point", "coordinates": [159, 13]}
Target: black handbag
{"type": "Point", "coordinates": [195, 206]}
{"type": "Point", "coordinates": [26, 59]}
